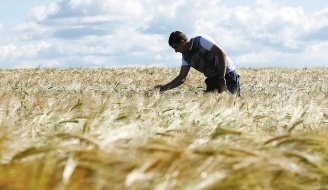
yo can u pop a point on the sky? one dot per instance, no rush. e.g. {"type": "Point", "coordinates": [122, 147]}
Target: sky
{"type": "Point", "coordinates": [134, 33]}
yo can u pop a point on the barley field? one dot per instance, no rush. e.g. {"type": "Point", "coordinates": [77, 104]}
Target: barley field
{"type": "Point", "coordinates": [99, 129]}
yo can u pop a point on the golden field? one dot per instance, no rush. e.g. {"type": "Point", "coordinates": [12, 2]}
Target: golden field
{"type": "Point", "coordinates": [98, 129]}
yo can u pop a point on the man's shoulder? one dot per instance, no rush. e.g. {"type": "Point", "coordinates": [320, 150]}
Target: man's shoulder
{"type": "Point", "coordinates": [204, 39]}
{"type": "Point", "coordinates": [197, 38]}
{"type": "Point", "coordinates": [207, 38]}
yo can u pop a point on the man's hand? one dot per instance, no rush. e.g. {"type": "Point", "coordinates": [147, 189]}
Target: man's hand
{"type": "Point", "coordinates": [175, 82]}
{"type": "Point", "coordinates": [222, 85]}
{"type": "Point", "coordinates": [159, 88]}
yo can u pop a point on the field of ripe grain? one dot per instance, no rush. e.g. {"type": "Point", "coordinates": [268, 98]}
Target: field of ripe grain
{"type": "Point", "coordinates": [98, 129]}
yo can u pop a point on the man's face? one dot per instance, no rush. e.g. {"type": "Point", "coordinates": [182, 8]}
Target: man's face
{"type": "Point", "coordinates": [181, 47]}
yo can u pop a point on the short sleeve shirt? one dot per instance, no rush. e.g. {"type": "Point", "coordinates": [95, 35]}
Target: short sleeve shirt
{"type": "Point", "coordinates": [207, 43]}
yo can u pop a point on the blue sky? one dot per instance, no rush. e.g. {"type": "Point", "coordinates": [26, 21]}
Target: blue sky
{"type": "Point", "coordinates": [112, 33]}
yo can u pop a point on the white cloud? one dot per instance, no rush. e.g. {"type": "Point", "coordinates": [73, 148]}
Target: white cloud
{"type": "Point", "coordinates": [312, 56]}
{"type": "Point", "coordinates": [135, 32]}
{"type": "Point", "coordinates": [266, 24]}
{"type": "Point", "coordinates": [16, 55]}
{"type": "Point", "coordinates": [31, 31]}
{"type": "Point", "coordinates": [266, 34]}
{"type": "Point", "coordinates": [12, 52]}
{"type": "Point", "coordinates": [40, 13]}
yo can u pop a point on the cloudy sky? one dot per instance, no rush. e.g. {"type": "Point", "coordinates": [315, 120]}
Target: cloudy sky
{"type": "Point", "coordinates": [113, 33]}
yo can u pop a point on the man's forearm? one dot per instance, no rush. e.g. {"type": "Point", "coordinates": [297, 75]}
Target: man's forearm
{"type": "Point", "coordinates": [173, 84]}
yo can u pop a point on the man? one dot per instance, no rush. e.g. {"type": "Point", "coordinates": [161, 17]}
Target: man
{"type": "Point", "coordinates": [204, 55]}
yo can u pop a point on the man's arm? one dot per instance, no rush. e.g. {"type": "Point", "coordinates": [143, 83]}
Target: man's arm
{"type": "Point", "coordinates": [177, 81]}
{"type": "Point", "coordinates": [222, 60]}
{"type": "Point", "coordinates": [222, 66]}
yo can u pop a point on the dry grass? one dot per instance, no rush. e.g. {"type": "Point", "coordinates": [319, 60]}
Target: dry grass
{"type": "Point", "coordinates": [104, 129]}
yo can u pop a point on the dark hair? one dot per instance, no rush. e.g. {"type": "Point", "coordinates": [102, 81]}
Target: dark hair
{"type": "Point", "coordinates": [176, 37]}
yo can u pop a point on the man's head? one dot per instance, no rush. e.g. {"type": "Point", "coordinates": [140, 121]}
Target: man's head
{"type": "Point", "coordinates": [178, 41]}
